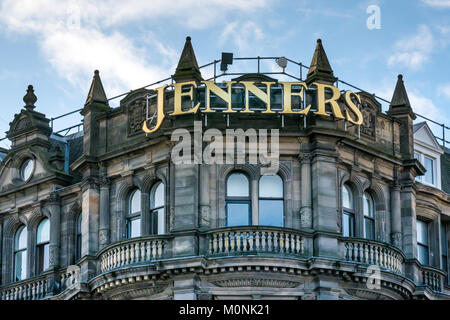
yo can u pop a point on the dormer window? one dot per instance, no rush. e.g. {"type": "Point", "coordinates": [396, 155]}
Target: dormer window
{"type": "Point", "coordinates": [26, 169]}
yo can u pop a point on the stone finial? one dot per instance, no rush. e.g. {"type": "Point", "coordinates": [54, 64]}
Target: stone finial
{"type": "Point", "coordinates": [96, 92]}
{"type": "Point", "coordinates": [320, 68]}
{"type": "Point", "coordinates": [187, 68]}
{"type": "Point", "coordinates": [30, 98]}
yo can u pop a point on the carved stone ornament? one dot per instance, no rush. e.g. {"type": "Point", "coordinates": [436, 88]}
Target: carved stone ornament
{"type": "Point", "coordinates": [272, 283]}
{"type": "Point", "coordinates": [136, 116]}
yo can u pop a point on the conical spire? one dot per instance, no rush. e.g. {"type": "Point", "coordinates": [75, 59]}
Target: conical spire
{"type": "Point", "coordinates": [30, 98]}
{"type": "Point", "coordinates": [187, 68]}
{"type": "Point", "coordinates": [320, 69]}
{"type": "Point", "coordinates": [400, 96]}
{"type": "Point", "coordinates": [96, 92]}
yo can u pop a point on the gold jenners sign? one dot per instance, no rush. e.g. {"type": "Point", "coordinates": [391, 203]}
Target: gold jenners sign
{"type": "Point", "coordinates": [184, 90]}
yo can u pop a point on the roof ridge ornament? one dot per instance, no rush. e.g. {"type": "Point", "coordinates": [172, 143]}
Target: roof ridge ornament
{"type": "Point", "coordinates": [30, 98]}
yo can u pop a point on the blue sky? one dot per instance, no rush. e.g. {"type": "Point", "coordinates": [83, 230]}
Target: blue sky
{"type": "Point", "coordinates": [56, 45]}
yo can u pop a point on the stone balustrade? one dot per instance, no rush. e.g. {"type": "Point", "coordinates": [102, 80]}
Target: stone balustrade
{"type": "Point", "coordinates": [255, 239]}
{"type": "Point", "coordinates": [432, 278]}
{"type": "Point", "coordinates": [373, 253]}
{"type": "Point", "coordinates": [30, 289]}
{"type": "Point", "coordinates": [133, 251]}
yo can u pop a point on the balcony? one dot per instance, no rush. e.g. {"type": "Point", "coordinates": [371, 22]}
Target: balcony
{"type": "Point", "coordinates": [431, 277]}
{"type": "Point", "coordinates": [368, 252]}
{"type": "Point", "coordinates": [257, 240]}
{"type": "Point", "coordinates": [44, 286]}
{"type": "Point", "coordinates": [135, 251]}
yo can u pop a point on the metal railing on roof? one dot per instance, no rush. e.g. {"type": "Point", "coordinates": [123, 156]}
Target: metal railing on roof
{"type": "Point", "coordinates": [215, 76]}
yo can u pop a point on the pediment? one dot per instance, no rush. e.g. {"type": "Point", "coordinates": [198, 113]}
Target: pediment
{"type": "Point", "coordinates": [425, 136]}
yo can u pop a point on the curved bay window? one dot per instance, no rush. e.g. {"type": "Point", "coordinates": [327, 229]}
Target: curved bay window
{"type": "Point", "coordinates": [369, 216]}
{"type": "Point", "coordinates": [134, 214]}
{"type": "Point", "coordinates": [348, 212]}
{"type": "Point", "coordinates": [20, 254]}
{"type": "Point", "coordinates": [78, 238]}
{"type": "Point", "coordinates": [42, 246]}
{"type": "Point", "coordinates": [238, 203]}
{"type": "Point", "coordinates": [157, 212]}
{"type": "Point", "coordinates": [271, 207]}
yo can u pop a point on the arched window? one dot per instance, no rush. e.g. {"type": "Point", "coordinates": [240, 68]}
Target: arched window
{"type": "Point", "coordinates": [20, 254]}
{"type": "Point", "coordinates": [42, 246]}
{"type": "Point", "coordinates": [78, 238]}
{"type": "Point", "coordinates": [157, 212]}
{"type": "Point", "coordinates": [271, 206]}
{"type": "Point", "coordinates": [238, 204]}
{"type": "Point", "coordinates": [134, 214]}
{"type": "Point", "coordinates": [348, 212]}
{"type": "Point", "coordinates": [369, 216]}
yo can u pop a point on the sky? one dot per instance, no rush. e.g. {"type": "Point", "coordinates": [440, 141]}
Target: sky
{"type": "Point", "coordinates": [56, 45]}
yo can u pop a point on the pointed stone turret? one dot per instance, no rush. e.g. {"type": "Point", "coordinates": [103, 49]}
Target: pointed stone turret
{"type": "Point", "coordinates": [320, 69]}
{"type": "Point", "coordinates": [400, 109]}
{"type": "Point", "coordinates": [96, 104]}
{"type": "Point", "coordinates": [400, 97]}
{"type": "Point", "coordinates": [187, 69]}
{"type": "Point", "coordinates": [96, 92]}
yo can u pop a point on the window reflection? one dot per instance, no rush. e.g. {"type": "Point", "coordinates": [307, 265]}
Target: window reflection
{"type": "Point", "coordinates": [157, 212]}
{"type": "Point", "coordinates": [348, 214]}
{"type": "Point", "coordinates": [134, 214]}
{"type": "Point", "coordinates": [271, 206]}
{"type": "Point", "coordinates": [20, 254]}
{"type": "Point", "coordinates": [42, 246]}
{"type": "Point", "coordinates": [238, 205]}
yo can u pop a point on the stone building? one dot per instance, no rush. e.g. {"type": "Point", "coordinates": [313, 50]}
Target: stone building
{"type": "Point", "coordinates": [105, 213]}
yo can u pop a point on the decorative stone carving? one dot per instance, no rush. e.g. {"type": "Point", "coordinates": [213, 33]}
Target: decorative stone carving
{"type": "Point", "coordinates": [240, 282]}
{"type": "Point", "coordinates": [369, 110]}
{"type": "Point", "coordinates": [53, 198]}
{"type": "Point", "coordinates": [30, 98]}
{"type": "Point", "coordinates": [304, 157]}
{"type": "Point", "coordinates": [136, 116]}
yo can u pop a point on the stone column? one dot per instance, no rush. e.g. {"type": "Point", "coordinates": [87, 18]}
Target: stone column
{"type": "Point", "coordinates": [104, 212]}
{"type": "Point", "coordinates": [306, 200]}
{"type": "Point", "coordinates": [89, 227]}
{"type": "Point", "coordinates": [55, 230]}
{"type": "Point", "coordinates": [254, 189]}
{"type": "Point", "coordinates": [396, 215]}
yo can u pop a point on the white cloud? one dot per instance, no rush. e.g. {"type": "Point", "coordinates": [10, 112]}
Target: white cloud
{"type": "Point", "coordinates": [79, 36]}
{"type": "Point", "coordinates": [413, 52]}
{"type": "Point", "coordinates": [445, 90]}
{"type": "Point", "coordinates": [243, 35]}
{"type": "Point", "coordinates": [437, 3]}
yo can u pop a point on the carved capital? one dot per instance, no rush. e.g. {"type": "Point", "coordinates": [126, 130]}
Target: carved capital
{"type": "Point", "coordinates": [304, 157]}
{"type": "Point", "coordinates": [54, 198]}
{"type": "Point", "coordinates": [104, 181]}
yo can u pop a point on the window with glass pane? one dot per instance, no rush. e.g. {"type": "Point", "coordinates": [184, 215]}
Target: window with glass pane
{"type": "Point", "coordinates": [134, 214]}
{"type": "Point", "coordinates": [20, 254]}
{"type": "Point", "coordinates": [157, 212]}
{"type": "Point", "coordinates": [369, 216]}
{"type": "Point", "coordinates": [348, 214]}
{"type": "Point", "coordinates": [78, 238]}
{"type": "Point", "coordinates": [271, 206]}
{"type": "Point", "coordinates": [444, 247]}
{"type": "Point", "coordinates": [26, 169]}
{"type": "Point", "coordinates": [238, 209]}
{"type": "Point", "coordinates": [42, 246]}
{"type": "Point", "coordinates": [422, 242]}
{"type": "Point", "coordinates": [429, 174]}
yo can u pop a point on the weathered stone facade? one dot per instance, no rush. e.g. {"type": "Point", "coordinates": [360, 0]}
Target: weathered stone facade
{"type": "Point", "coordinates": [197, 256]}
